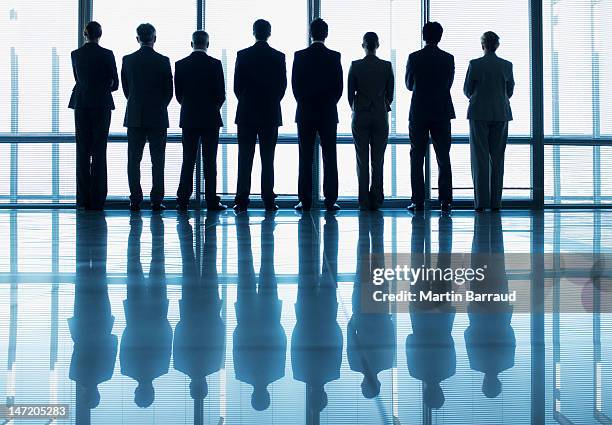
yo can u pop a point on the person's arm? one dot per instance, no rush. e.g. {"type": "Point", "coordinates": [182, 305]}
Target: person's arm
{"type": "Point", "coordinates": [220, 86]}
{"type": "Point", "coordinates": [351, 86]}
{"type": "Point", "coordinates": [168, 80]}
{"type": "Point", "coordinates": [338, 80]}
{"type": "Point", "coordinates": [238, 83]}
{"type": "Point", "coordinates": [510, 82]}
{"type": "Point", "coordinates": [74, 71]}
{"type": "Point", "coordinates": [296, 79]}
{"type": "Point", "coordinates": [283, 79]}
{"type": "Point", "coordinates": [410, 73]}
{"type": "Point", "coordinates": [178, 83]}
{"type": "Point", "coordinates": [451, 78]}
{"type": "Point", "coordinates": [124, 80]}
{"type": "Point", "coordinates": [390, 86]}
{"type": "Point", "coordinates": [114, 84]}
{"type": "Point", "coordinates": [468, 85]}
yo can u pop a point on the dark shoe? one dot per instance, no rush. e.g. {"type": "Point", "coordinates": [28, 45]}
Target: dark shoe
{"type": "Point", "coordinates": [301, 207]}
{"type": "Point", "coordinates": [416, 207]}
{"type": "Point", "coordinates": [158, 207]}
{"type": "Point", "coordinates": [333, 207]}
{"type": "Point", "coordinates": [271, 207]}
{"type": "Point", "coordinates": [238, 208]}
{"type": "Point", "coordinates": [135, 207]}
{"type": "Point", "coordinates": [218, 207]}
{"type": "Point", "coordinates": [181, 207]}
{"type": "Point", "coordinates": [94, 208]}
{"type": "Point", "coordinates": [496, 209]}
{"type": "Point", "coordinates": [479, 209]}
{"type": "Point", "coordinates": [446, 207]}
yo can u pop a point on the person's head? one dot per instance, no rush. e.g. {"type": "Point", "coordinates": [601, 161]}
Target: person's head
{"type": "Point", "coordinates": [370, 387]}
{"type": "Point", "coordinates": [145, 34]}
{"type": "Point", "coordinates": [92, 397]}
{"type": "Point", "coordinates": [199, 40]}
{"type": "Point", "coordinates": [489, 41]}
{"type": "Point", "coordinates": [198, 389]}
{"type": "Point", "coordinates": [491, 386]}
{"type": "Point", "coordinates": [260, 399]}
{"type": "Point", "coordinates": [433, 396]}
{"type": "Point", "coordinates": [432, 32]}
{"type": "Point", "coordinates": [144, 394]}
{"type": "Point", "coordinates": [318, 399]}
{"type": "Point", "coordinates": [318, 30]}
{"type": "Point", "coordinates": [262, 30]}
{"type": "Point", "coordinates": [370, 42]}
{"type": "Point", "coordinates": [92, 32]}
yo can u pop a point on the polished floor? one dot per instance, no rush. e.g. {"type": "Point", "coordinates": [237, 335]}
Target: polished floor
{"type": "Point", "coordinates": [256, 319]}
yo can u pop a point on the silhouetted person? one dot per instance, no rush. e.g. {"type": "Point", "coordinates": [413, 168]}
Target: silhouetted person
{"type": "Point", "coordinates": [370, 94]}
{"type": "Point", "coordinates": [489, 85]}
{"type": "Point", "coordinates": [430, 349]}
{"type": "Point", "coordinates": [260, 343]}
{"type": "Point", "coordinates": [260, 81]}
{"type": "Point", "coordinates": [317, 86]}
{"type": "Point", "coordinates": [95, 75]}
{"type": "Point", "coordinates": [95, 347]}
{"type": "Point", "coordinates": [316, 343]}
{"type": "Point", "coordinates": [371, 335]}
{"type": "Point", "coordinates": [490, 339]}
{"type": "Point", "coordinates": [146, 78]}
{"type": "Point", "coordinates": [199, 337]}
{"type": "Point", "coordinates": [146, 344]}
{"type": "Point", "coordinates": [429, 75]}
{"type": "Point", "coordinates": [200, 89]}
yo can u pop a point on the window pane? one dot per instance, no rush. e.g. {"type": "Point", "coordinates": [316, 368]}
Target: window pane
{"type": "Point", "coordinates": [35, 67]}
{"type": "Point", "coordinates": [397, 23]}
{"type": "Point", "coordinates": [174, 21]}
{"type": "Point", "coordinates": [464, 23]}
{"type": "Point", "coordinates": [289, 19]}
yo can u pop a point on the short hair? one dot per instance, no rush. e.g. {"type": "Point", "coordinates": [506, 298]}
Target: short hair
{"type": "Point", "coordinates": [262, 29]}
{"type": "Point", "coordinates": [199, 38]}
{"type": "Point", "coordinates": [146, 33]}
{"type": "Point", "coordinates": [490, 41]}
{"type": "Point", "coordinates": [432, 32]}
{"type": "Point", "coordinates": [370, 39]}
{"type": "Point", "coordinates": [93, 30]}
{"type": "Point", "coordinates": [319, 29]}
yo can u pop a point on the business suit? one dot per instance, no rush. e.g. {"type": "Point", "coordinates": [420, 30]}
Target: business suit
{"type": "Point", "coordinates": [146, 78]}
{"type": "Point", "coordinates": [260, 81]}
{"type": "Point", "coordinates": [200, 89]}
{"type": "Point", "coordinates": [95, 75]}
{"type": "Point", "coordinates": [429, 75]}
{"type": "Point", "coordinates": [489, 85]}
{"type": "Point", "coordinates": [317, 86]}
{"type": "Point", "coordinates": [370, 94]}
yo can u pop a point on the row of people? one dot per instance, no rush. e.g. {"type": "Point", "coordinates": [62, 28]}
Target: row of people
{"type": "Point", "coordinates": [260, 82]}
{"type": "Point", "coordinates": [259, 340]}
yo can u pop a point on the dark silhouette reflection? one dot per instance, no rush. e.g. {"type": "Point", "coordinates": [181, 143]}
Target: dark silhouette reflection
{"type": "Point", "coordinates": [199, 337]}
{"type": "Point", "coordinates": [371, 336]}
{"type": "Point", "coordinates": [146, 344]}
{"type": "Point", "coordinates": [490, 339]}
{"type": "Point", "coordinates": [430, 349]}
{"type": "Point", "coordinates": [95, 347]}
{"type": "Point", "coordinates": [316, 343]}
{"type": "Point", "coordinates": [260, 343]}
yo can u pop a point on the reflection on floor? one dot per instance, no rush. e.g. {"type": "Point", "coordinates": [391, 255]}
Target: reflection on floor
{"type": "Point", "coordinates": [257, 319]}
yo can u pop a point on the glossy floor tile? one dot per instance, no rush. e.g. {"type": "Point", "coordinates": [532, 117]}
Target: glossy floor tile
{"type": "Point", "coordinates": [257, 319]}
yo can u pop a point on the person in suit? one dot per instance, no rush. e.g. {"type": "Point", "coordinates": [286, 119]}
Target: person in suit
{"type": "Point", "coordinates": [260, 343]}
{"type": "Point", "coordinates": [200, 89]}
{"type": "Point", "coordinates": [95, 347]}
{"type": "Point", "coordinates": [370, 94]}
{"type": "Point", "coordinates": [199, 350]}
{"type": "Point", "coordinates": [260, 81]}
{"type": "Point", "coordinates": [489, 85]}
{"type": "Point", "coordinates": [146, 79]}
{"type": "Point", "coordinates": [95, 75]}
{"type": "Point", "coordinates": [316, 342]}
{"type": "Point", "coordinates": [317, 86]}
{"type": "Point", "coordinates": [146, 343]}
{"type": "Point", "coordinates": [429, 75]}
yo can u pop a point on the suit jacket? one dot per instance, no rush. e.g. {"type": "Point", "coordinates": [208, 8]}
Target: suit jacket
{"type": "Point", "coordinates": [370, 85]}
{"type": "Point", "coordinates": [95, 76]}
{"type": "Point", "coordinates": [260, 81]}
{"type": "Point", "coordinates": [146, 78]}
{"type": "Point", "coordinates": [317, 84]}
{"type": "Point", "coordinates": [200, 89]}
{"type": "Point", "coordinates": [429, 75]}
{"type": "Point", "coordinates": [489, 85]}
